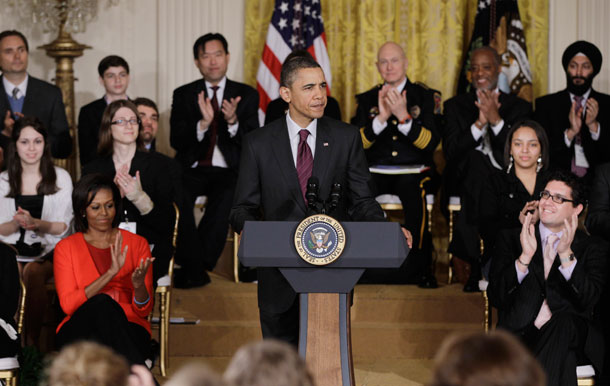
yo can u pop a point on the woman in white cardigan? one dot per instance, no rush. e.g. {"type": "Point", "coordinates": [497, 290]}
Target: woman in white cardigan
{"type": "Point", "coordinates": [35, 213]}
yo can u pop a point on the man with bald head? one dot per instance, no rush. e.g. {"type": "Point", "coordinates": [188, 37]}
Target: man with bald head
{"type": "Point", "coordinates": [399, 122]}
{"type": "Point", "coordinates": [476, 125]}
{"type": "Point", "coordinates": [577, 119]}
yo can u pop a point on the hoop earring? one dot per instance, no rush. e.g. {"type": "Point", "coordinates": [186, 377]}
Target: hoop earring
{"type": "Point", "coordinates": [539, 166]}
{"type": "Point", "coordinates": [510, 165]}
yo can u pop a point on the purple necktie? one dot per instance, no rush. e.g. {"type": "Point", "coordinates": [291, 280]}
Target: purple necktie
{"type": "Point", "coordinates": [578, 170]}
{"type": "Point", "coordinates": [304, 162]}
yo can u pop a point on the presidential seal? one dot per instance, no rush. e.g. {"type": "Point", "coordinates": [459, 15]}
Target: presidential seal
{"type": "Point", "coordinates": [319, 239]}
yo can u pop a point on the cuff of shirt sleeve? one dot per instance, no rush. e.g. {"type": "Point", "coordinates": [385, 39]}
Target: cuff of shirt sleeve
{"type": "Point", "coordinates": [595, 136]}
{"type": "Point", "coordinates": [520, 275]}
{"type": "Point", "coordinates": [404, 128]}
{"type": "Point", "coordinates": [497, 127]}
{"type": "Point", "coordinates": [200, 132]}
{"type": "Point", "coordinates": [378, 127]}
{"type": "Point", "coordinates": [232, 129]}
{"type": "Point", "coordinates": [567, 272]}
{"type": "Point", "coordinates": [566, 140]}
{"type": "Point", "coordinates": [476, 132]}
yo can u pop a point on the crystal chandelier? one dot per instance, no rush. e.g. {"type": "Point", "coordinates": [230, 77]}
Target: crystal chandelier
{"type": "Point", "coordinates": [72, 15]}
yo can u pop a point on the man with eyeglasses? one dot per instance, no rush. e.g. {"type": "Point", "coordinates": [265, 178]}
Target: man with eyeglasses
{"type": "Point", "coordinates": [22, 94]}
{"type": "Point", "coordinates": [547, 278]}
{"type": "Point", "coordinates": [114, 77]}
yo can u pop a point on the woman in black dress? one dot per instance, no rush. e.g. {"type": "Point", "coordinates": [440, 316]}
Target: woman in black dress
{"type": "Point", "coordinates": [510, 194]}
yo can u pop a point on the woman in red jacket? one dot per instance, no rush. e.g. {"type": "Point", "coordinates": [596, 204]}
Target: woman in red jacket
{"type": "Point", "coordinates": [103, 275]}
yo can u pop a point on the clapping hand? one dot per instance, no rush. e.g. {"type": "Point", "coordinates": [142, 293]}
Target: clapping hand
{"type": "Point", "coordinates": [139, 274]}
{"type": "Point", "coordinates": [117, 256]}
{"type": "Point", "coordinates": [575, 120]}
{"type": "Point", "coordinates": [129, 187]}
{"type": "Point", "coordinates": [530, 207]}
{"type": "Point", "coordinates": [207, 111]}
{"type": "Point", "coordinates": [229, 109]}
{"type": "Point", "coordinates": [384, 108]}
{"type": "Point", "coordinates": [489, 105]}
{"type": "Point", "coordinates": [567, 236]}
{"type": "Point", "coordinates": [397, 102]}
{"type": "Point", "coordinates": [528, 240]}
{"type": "Point", "coordinates": [591, 114]}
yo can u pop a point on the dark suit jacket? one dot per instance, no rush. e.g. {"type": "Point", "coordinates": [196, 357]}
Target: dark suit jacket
{"type": "Point", "coordinates": [89, 121]}
{"type": "Point", "coordinates": [277, 109]}
{"type": "Point", "coordinates": [519, 304]}
{"type": "Point", "coordinates": [158, 182]}
{"type": "Point", "coordinates": [552, 112]}
{"type": "Point", "coordinates": [391, 147]}
{"type": "Point", "coordinates": [598, 216]}
{"type": "Point", "coordinates": [268, 188]}
{"type": "Point", "coordinates": [44, 101]}
{"type": "Point", "coordinates": [186, 113]}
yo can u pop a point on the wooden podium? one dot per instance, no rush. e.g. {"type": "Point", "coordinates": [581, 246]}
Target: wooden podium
{"type": "Point", "coordinates": [324, 291]}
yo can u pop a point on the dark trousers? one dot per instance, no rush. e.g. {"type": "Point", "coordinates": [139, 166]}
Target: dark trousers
{"type": "Point", "coordinates": [466, 243]}
{"type": "Point", "coordinates": [101, 319]}
{"type": "Point", "coordinates": [218, 184]}
{"type": "Point", "coordinates": [411, 189]}
{"type": "Point", "coordinates": [283, 326]}
{"type": "Point", "coordinates": [558, 345]}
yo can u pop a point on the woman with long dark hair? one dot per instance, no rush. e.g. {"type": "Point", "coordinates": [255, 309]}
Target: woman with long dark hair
{"type": "Point", "coordinates": [35, 212]}
{"type": "Point", "coordinates": [513, 192]}
{"type": "Point", "coordinates": [142, 178]}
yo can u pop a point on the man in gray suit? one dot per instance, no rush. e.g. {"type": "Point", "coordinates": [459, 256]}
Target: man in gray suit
{"type": "Point", "coordinates": [22, 94]}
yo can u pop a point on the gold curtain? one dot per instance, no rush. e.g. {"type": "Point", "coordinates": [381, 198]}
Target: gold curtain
{"type": "Point", "coordinates": [434, 34]}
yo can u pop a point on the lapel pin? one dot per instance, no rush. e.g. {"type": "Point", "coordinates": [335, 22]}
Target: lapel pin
{"type": "Point", "coordinates": [325, 144]}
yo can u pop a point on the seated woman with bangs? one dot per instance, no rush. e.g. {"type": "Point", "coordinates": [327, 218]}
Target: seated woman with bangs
{"type": "Point", "coordinates": [35, 213]}
{"type": "Point", "coordinates": [103, 276]}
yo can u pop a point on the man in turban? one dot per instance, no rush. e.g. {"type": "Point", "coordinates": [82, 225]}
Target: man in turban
{"type": "Point", "coordinates": [577, 119]}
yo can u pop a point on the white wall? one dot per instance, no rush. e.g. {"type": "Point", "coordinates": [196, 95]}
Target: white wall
{"type": "Point", "coordinates": [572, 20]}
{"type": "Point", "coordinates": [154, 36]}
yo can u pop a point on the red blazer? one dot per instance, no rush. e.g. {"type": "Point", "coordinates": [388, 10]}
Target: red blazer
{"type": "Point", "coordinates": [74, 270]}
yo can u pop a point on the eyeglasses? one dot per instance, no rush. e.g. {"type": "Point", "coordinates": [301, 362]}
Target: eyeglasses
{"type": "Point", "coordinates": [124, 122]}
{"type": "Point", "coordinates": [556, 199]}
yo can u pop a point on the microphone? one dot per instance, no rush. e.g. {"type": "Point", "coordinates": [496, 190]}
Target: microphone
{"type": "Point", "coordinates": [335, 196]}
{"type": "Point", "coordinates": [312, 192]}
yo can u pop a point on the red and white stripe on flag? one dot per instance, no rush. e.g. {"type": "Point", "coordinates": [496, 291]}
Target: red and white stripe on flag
{"type": "Point", "coordinates": [295, 24]}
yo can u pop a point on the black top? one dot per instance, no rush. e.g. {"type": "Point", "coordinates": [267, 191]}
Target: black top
{"type": "Point", "coordinates": [9, 298]}
{"type": "Point", "coordinates": [31, 203]}
{"type": "Point", "coordinates": [159, 183]}
{"type": "Point", "coordinates": [502, 198]}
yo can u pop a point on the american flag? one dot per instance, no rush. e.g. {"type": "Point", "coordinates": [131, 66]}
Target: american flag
{"type": "Point", "coordinates": [295, 24]}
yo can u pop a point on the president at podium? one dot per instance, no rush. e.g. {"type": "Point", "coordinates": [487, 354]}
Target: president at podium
{"type": "Point", "coordinates": [277, 162]}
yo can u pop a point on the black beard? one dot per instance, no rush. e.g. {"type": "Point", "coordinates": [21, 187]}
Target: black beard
{"type": "Point", "coordinates": [579, 89]}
